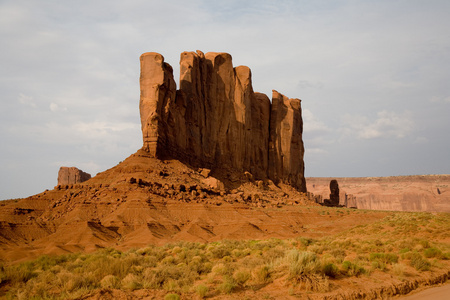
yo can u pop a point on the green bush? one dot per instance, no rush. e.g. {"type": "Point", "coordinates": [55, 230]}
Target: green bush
{"type": "Point", "coordinates": [202, 290]}
{"type": "Point", "coordinates": [241, 277]}
{"type": "Point", "coordinates": [331, 270]}
{"type": "Point", "coordinates": [110, 281]}
{"type": "Point", "coordinates": [172, 297]}
{"type": "Point", "coordinates": [131, 282]}
{"type": "Point", "coordinates": [302, 263]}
{"type": "Point", "coordinates": [419, 263]}
{"type": "Point", "coordinates": [433, 252]}
{"type": "Point", "coordinates": [227, 286]}
{"type": "Point", "coordinates": [352, 269]}
{"type": "Point", "coordinates": [387, 258]}
{"type": "Point", "coordinates": [339, 254]}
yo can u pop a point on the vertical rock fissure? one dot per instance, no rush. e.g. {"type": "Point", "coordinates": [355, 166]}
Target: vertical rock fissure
{"type": "Point", "coordinates": [216, 120]}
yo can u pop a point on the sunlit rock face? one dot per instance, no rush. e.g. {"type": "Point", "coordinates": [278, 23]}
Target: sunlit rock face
{"type": "Point", "coordinates": [72, 175]}
{"type": "Point", "coordinates": [216, 120]}
{"type": "Point", "coordinates": [399, 193]}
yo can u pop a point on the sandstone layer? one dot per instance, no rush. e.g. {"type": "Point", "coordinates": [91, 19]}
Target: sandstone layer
{"type": "Point", "coordinates": [399, 193]}
{"type": "Point", "coordinates": [72, 175]}
{"type": "Point", "coordinates": [215, 120]}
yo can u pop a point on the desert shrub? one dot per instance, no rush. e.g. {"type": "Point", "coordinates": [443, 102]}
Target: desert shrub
{"type": "Point", "coordinates": [70, 281]}
{"type": "Point", "coordinates": [305, 242]}
{"type": "Point", "coordinates": [352, 269]}
{"type": "Point", "coordinates": [339, 254]}
{"type": "Point", "coordinates": [301, 263]}
{"type": "Point", "coordinates": [261, 274]}
{"type": "Point", "coordinates": [386, 258]}
{"type": "Point", "coordinates": [318, 249]}
{"type": "Point", "coordinates": [45, 262]}
{"type": "Point", "coordinates": [172, 297]}
{"type": "Point", "coordinates": [172, 285]}
{"type": "Point", "coordinates": [399, 269]}
{"type": "Point", "coordinates": [419, 263]}
{"type": "Point", "coordinates": [331, 270]}
{"type": "Point", "coordinates": [433, 252]}
{"type": "Point", "coordinates": [241, 277]}
{"type": "Point", "coordinates": [220, 251]}
{"type": "Point", "coordinates": [227, 259]}
{"type": "Point", "coordinates": [424, 243]}
{"type": "Point", "coordinates": [168, 260]}
{"type": "Point", "coordinates": [273, 253]}
{"type": "Point", "coordinates": [237, 253]}
{"type": "Point", "coordinates": [222, 269]}
{"type": "Point", "coordinates": [201, 290]}
{"type": "Point", "coordinates": [377, 264]}
{"type": "Point", "coordinates": [110, 282]}
{"type": "Point", "coordinates": [131, 282]}
{"type": "Point", "coordinates": [19, 273]}
{"type": "Point", "coordinates": [200, 265]}
{"type": "Point", "coordinates": [404, 250]}
{"type": "Point", "coordinates": [227, 286]}
{"type": "Point", "coordinates": [160, 277]}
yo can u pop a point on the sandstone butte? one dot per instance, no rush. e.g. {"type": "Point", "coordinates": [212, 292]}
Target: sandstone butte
{"type": "Point", "coordinates": [216, 121]}
{"type": "Point", "coordinates": [217, 162]}
{"type": "Point", "coordinates": [72, 175]}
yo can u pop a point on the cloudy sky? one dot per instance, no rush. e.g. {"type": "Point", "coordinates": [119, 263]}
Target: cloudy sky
{"type": "Point", "coordinates": [373, 76]}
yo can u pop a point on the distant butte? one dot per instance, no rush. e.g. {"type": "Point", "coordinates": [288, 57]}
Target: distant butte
{"type": "Point", "coordinates": [215, 120]}
{"type": "Point", "coordinates": [72, 175]}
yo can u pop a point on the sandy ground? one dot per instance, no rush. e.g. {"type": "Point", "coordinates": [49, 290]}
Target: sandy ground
{"type": "Point", "coordinates": [434, 293]}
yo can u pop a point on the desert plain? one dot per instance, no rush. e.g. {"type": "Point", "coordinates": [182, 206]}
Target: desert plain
{"type": "Point", "coordinates": [216, 206]}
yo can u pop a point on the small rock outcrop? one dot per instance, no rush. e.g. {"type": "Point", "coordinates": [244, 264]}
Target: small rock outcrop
{"type": "Point", "coordinates": [334, 194]}
{"type": "Point", "coordinates": [216, 121]}
{"type": "Point", "coordinates": [72, 175]}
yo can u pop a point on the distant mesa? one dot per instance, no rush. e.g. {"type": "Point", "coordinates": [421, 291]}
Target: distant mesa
{"type": "Point", "coordinates": [215, 120]}
{"type": "Point", "coordinates": [397, 193]}
{"type": "Point", "coordinates": [72, 175]}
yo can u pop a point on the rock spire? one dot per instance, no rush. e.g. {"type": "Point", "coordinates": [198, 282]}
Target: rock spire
{"type": "Point", "coordinates": [215, 120]}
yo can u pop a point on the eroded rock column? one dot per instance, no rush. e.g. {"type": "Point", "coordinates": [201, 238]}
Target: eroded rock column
{"type": "Point", "coordinates": [157, 92]}
{"type": "Point", "coordinates": [286, 145]}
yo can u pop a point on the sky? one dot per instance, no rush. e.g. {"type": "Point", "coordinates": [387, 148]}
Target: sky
{"type": "Point", "coordinates": [373, 77]}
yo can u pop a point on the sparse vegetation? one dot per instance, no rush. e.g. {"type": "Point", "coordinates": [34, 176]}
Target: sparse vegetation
{"type": "Point", "coordinates": [225, 267]}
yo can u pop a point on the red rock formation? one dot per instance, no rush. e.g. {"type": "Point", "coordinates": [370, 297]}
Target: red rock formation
{"type": "Point", "coordinates": [400, 193]}
{"type": "Point", "coordinates": [216, 120]}
{"type": "Point", "coordinates": [72, 175]}
{"type": "Point", "coordinates": [286, 145]}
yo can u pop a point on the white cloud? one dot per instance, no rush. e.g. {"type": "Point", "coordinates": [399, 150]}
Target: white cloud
{"type": "Point", "coordinates": [440, 99]}
{"type": "Point", "coordinates": [26, 100]}
{"type": "Point", "coordinates": [386, 125]}
{"type": "Point", "coordinates": [319, 151]}
{"type": "Point", "coordinates": [56, 108]}
{"type": "Point", "coordinates": [345, 58]}
{"type": "Point", "coordinates": [311, 123]}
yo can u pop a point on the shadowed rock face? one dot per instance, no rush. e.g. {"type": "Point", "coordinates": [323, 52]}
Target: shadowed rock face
{"type": "Point", "coordinates": [72, 175]}
{"type": "Point", "coordinates": [216, 120]}
{"type": "Point", "coordinates": [334, 192]}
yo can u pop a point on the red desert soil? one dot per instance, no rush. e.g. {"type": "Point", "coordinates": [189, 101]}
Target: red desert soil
{"type": "Point", "coordinates": [435, 293]}
{"type": "Point", "coordinates": [145, 201]}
